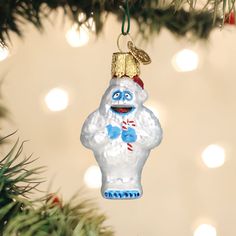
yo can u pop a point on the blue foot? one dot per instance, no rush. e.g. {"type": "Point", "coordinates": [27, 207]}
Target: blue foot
{"type": "Point", "coordinates": [122, 194]}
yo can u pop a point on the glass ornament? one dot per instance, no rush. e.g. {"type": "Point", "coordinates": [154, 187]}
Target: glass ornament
{"type": "Point", "coordinates": [122, 131]}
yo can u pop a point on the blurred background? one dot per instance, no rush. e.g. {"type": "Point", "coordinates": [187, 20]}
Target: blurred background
{"type": "Point", "coordinates": [55, 79]}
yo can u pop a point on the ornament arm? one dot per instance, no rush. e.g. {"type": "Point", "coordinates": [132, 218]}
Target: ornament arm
{"type": "Point", "coordinates": [94, 131]}
{"type": "Point", "coordinates": [149, 130]}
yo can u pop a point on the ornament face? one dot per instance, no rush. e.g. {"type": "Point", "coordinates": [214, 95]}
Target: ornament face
{"type": "Point", "coordinates": [121, 133]}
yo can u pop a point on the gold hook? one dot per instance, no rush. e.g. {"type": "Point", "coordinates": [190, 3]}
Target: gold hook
{"type": "Point", "coordinates": [118, 40]}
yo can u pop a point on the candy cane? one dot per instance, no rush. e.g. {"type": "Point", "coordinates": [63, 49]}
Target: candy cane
{"type": "Point", "coordinates": [125, 126]}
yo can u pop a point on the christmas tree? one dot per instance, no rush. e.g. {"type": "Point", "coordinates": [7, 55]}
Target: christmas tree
{"type": "Point", "coordinates": [47, 215]}
{"type": "Point", "coordinates": [181, 17]}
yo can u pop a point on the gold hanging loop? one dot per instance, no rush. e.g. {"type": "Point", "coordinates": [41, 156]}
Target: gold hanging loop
{"type": "Point", "coordinates": [118, 40]}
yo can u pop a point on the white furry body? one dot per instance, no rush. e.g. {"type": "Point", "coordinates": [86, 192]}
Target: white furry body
{"type": "Point", "coordinates": [121, 167]}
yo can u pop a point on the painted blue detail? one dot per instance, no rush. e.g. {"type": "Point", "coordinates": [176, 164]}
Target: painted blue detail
{"type": "Point", "coordinates": [117, 95]}
{"type": "Point", "coordinates": [129, 136]}
{"type": "Point", "coordinates": [125, 95]}
{"type": "Point", "coordinates": [113, 131]}
{"type": "Point", "coordinates": [122, 194]}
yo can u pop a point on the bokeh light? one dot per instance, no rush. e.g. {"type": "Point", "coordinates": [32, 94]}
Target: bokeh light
{"type": "Point", "coordinates": [205, 230]}
{"type": "Point", "coordinates": [4, 52]}
{"type": "Point", "coordinates": [91, 24]}
{"type": "Point", "coordinates": [93, 177]}
{"type": "Point", "coordinates": [77, 36]}
{"type": "Point", "coordinates": [213, 156]}
{"type": "Point", "coordinates": [57, 99]}
{"type": "Point", "coordinates": [185, 60]}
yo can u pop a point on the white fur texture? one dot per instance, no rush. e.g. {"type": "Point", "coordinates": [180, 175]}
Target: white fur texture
{"type": "Point", "coordinates": [121, 168]}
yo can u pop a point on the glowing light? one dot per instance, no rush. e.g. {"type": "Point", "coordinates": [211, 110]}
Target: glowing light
{"type": "Point", "coordinates": [213, 156]}
{"type": "Point", "coordinates": [159, 111]}
{"type": "Point", "coordinates": [93, 177]}
{"type": "Point", "coordinates": [77, 37]}
{"type": "Point", "coordinates": [91, 24]}
{"type": "Point", "coordinates": [185, 60]}
{"type": "Point", "coordinates": [4, 52]}
{"type": "Point", "coordinates": [57, 99]}
{"type": "Point", "coordinates": [81, 17]}
{"type": "Point", "coordinates": [153, 107]}
{"type": "Point", "coordinates": [205, 230]}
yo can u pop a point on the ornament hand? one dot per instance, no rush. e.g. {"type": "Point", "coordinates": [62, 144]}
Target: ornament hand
{"type": "Point", "coordinates": [113, 131]}
{"type": "Point", "coordinates": [129, 136]}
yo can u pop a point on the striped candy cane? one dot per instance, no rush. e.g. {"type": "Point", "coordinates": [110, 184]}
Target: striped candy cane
{"type": "Point", "coordinates": [125, 125]}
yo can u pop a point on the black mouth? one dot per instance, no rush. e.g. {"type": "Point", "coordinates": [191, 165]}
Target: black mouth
{"type": "Point", "coordinates": [122, 109]}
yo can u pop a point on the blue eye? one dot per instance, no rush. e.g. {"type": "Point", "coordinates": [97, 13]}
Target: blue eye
{"type": "Point", "coordinates": [116, 95]}
{"type": "Point", "coordinates": [128, 95]}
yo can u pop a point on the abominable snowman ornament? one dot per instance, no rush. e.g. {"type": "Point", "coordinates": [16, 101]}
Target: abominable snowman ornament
{"type": "Point", "coordinates": [122, 131]}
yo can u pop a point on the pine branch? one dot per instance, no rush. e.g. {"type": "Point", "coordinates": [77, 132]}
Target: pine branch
{"type": "Point", "coordinates": [151, 14]}
{"type": "Point", "coordinates": [44, 216]}
{"type": "Point", "coordinates": [75, 218]}
{"type": "Point", "coordinates": [17, 180]}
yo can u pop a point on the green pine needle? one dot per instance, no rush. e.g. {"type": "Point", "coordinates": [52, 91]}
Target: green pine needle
{"type": "Point", "coordinates": [14, 176]}
{"type": "Point", "coordinates": [21, 216]}
{"type": "Point", "coordinates": [180, 16]}
{"type": "Point", "coordinates": [17, 181]}
{"type": "Point", "coordinates": [75, 218]}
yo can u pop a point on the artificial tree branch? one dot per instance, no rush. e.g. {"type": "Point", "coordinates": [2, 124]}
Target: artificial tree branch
{"type": "Point", "coordinates": [179, 16]}
{"type": "Point", "coordinates": [47, 215]}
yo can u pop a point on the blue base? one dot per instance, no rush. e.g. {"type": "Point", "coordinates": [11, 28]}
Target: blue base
{"type": "Point", "coordinates": [122, 194]}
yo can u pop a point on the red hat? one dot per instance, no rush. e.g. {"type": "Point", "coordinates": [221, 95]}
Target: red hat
{"type": "Point", "coordinates": [137, 80]}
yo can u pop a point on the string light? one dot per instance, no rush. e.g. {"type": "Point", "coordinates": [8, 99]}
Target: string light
{"type": "Point", "coordinates": [90, 24]}
{"type": "Point", "coordinates": [57, 99]}
{"type": "Point", "coordinates": [185, 60]}
{"type": "Point", "coordinates": [213, 156]}
{"type": "Point", "coordinates": [77, 36]}
{"type": "Point", "coordinates": [81, 17]}
{"type": "Point", "coordinates": [155, 108]}
{"type": "Point", "coordinates": [159, 111]}
{"type": "Point", "coordinates": [92, 177]}
{"type": "Point", "coordinates": [4, 52]}
{"type": "Point", "coordinates": [205, 230]}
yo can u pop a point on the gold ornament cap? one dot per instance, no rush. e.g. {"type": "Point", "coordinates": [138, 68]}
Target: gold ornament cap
{"type": "Point", "coordinates": [124, 64]}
